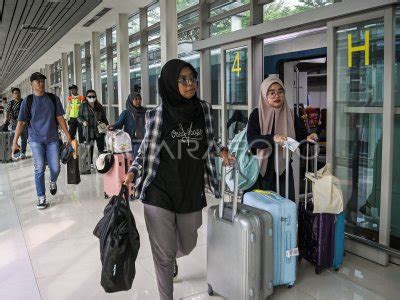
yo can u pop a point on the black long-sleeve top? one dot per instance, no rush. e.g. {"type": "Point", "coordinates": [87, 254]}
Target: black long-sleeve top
{"type": "Point", "coordinates": [258, 141]}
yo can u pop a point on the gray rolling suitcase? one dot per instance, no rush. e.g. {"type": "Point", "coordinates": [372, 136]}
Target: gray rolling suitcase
{"type": "Point", "coordinates": [5, 147]}
{"type": "Point", "coordinates": [239, 249]}
{"type": "Point", "coordinates": [84, 154]}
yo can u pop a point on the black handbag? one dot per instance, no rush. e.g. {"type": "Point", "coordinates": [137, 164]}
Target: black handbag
{"type": "Point", "coordinates": [119, 244]}
{"type": "Point", "coordinates": [73, 175]}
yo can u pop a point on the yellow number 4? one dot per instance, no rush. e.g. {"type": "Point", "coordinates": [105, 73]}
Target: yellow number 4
{"type": "Point", "coordinates": [236, 64]}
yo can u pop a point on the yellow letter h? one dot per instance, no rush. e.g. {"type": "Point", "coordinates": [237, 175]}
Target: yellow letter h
{"type": "Point", "coordinates": [351, 49]}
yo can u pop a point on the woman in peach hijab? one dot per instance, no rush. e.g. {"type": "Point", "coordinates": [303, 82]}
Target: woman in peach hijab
{"type": "Point", "coordinates": [273, 122]}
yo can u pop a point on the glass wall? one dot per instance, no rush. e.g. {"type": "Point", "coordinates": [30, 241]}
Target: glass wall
{"type": "Point", "coordinates": [55, 72]}
{"type": "Point", "coordinates": [153, 14]}
{"type": "Point", "coordinates": [154, 70]}
{"type": "Point", "coordinates": [103, 68]}
{"type": "Point", "coordinates": [236, 90]}
{"type": "Point", "coordinates": [358, 124]}
{"type": "Point", "coordinates": [70, 62]}
{"type": "Point", "coordinates": [395, 220]}
{"type": "Point", "coordinates": [282, 8]}
{"type": "Point", "coordinates": [134, 65]}
{"type": "Point", "coordinates": [216, 76]}
{"type": "Point", "coordinates": [181, 5]}
{"type": "Point", "coordinates": [115, 75]}
{"type": "Point", "coordinates": [83, 66]}
{"type": "Point", "coordinates": [236, 21]}
{"type": "Point", "coordinates": [134, 53]}
{"type": "Point", "coordinates": [188, 32]}
{"type": "Point", "coordinates": [154, 52]}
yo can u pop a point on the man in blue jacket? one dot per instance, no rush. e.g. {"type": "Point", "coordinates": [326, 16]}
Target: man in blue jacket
{"type": "Point", "coordinates": [43, 113]}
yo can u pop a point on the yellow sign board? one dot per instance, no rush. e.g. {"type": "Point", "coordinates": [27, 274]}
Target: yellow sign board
{"type": "Point", "coordinates": [351, 49]}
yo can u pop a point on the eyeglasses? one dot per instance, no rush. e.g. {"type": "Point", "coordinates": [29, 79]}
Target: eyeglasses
{"type": "Point", "coordinates": [273, 94]}
{"type": "Point", "coordinates": [186, 80]}
{"type": "Point", "coordinates": [91, 97]}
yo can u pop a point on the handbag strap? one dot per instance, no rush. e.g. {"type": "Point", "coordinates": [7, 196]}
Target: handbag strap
{"type": "Point", "coordinates": [94, 113]}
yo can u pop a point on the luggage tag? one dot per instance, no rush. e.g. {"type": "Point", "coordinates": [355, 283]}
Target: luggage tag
{"type": "Point", "coordinates": [292, 144]}
{"type": "Point", "coordinates": [292, 252]}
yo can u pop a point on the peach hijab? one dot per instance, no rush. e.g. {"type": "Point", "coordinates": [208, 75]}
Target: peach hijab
{"type": "Point", "coordinates": [284, 122]}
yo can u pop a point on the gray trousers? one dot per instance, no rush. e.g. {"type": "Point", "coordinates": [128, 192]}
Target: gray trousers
{"type": "Point", "coordinates": [171, 235]}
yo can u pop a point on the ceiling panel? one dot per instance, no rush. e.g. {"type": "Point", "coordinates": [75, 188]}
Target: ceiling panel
{"type": "Point", "coordinates": [20, 48]}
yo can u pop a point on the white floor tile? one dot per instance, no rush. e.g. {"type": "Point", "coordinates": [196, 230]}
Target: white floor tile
{"type": "Point", "coordinates": [53, 254]}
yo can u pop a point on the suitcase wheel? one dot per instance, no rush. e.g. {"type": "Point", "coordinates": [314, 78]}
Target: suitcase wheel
{"type": "Point", "coordinates": [210, 290]}
{"type": "Point", "coordinates": [336, 269]}
{"type": "Point", "coordinates": [290, 285]}
{"type": "Point", "coordinates": [318, 270]}
{"type": "Point", "coordinates": [106, 196]}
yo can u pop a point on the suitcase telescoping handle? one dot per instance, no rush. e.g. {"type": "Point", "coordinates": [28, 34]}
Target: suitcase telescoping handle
{"type": "Point", "coordinates": [287, 158]}
{"type": "Point", "coordinates": [235, 191]}
{"type": "Point", "coordinates": [307, 167]}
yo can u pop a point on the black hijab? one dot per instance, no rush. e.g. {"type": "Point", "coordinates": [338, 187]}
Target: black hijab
{"type": "Point", "coordinates": [132, 109]}
{"type": "Point", "coordinates": [175, 106]}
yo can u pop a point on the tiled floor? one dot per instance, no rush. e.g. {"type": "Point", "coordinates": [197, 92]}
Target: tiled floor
{"type": "Point", "coordinates": [52, 254]}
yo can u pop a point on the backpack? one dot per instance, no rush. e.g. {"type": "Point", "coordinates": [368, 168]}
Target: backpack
{"type": "Point", "coordinates": [247, 163]}
{"type": "Point", "coordinates": [29, 101]}
{"type": "Point", "coordinates": [118, 141]}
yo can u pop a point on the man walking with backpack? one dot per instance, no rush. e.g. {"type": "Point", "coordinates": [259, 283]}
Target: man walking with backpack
{"type": "Point", "coordinates": [43, 113]}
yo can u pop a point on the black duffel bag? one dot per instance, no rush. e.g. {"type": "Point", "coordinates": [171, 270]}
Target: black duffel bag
{"type": "Point", "coordinates": [119, 244]}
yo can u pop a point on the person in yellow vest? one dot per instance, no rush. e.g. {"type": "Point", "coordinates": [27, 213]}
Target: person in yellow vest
{"type": "Point", "coordinates": [73, 103]}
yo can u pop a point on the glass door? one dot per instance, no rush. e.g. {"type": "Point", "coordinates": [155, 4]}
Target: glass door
{"type": "Point", "coordinates": [395, 205]}
{"type": "Point", "coordinates": [358, 122]}
{"type": "Point", "coordinates": [236, 81]}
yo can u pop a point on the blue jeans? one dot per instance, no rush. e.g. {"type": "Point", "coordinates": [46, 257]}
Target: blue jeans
{"type": "Point", "coordinates": [24, 138]}
{"type": "Point", "coordinates": [41, 153]}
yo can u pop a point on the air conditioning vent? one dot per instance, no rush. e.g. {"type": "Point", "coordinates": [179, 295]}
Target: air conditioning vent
{"type": "Point", "coordinates": [97, 16]}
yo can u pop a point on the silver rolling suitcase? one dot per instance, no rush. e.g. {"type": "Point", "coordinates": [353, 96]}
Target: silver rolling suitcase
{"type": "Point", "coordinates": [239, 249]}
{"type": "Point", "coordinates": [5, 147]}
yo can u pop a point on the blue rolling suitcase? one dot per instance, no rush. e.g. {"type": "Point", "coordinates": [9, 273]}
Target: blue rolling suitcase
{"type": "Point", "coordinates": [284, 215]}
{"type": "Point", "coordinates": [339, 242]}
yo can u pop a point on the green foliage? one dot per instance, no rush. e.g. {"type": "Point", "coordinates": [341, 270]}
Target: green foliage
{"type": "Point", "coordinates": [282, 8]}
{"type": "Point", "coordinates": [277, 9]}
{"type": "Point", "coordinates": [183, 4]}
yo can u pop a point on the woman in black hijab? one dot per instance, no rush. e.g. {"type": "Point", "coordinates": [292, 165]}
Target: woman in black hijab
{"type": "Point", "coordinates": [177, 152]}
{"type": "Point", "coordinates": [132, 120]}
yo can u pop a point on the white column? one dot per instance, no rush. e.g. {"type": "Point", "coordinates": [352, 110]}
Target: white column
{"type": "Point", "coordinates": [95, 62]}
{"type": "Point", "coordinates": [77, 67]}
{"type": "Point", "coordinates": [168, 30]}
{"type": "Point", "coordinates": [64, 77]}
{"type": "Point", "coordinates": [123, 59]}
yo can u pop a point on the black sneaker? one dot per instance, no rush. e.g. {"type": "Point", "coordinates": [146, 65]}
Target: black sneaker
{"type": "Point", "coordinates": [175, 269]}
{"type": "Point", "coordinates": [53, 188]}
{"type": "Point", "coordinates": [41, 203]}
